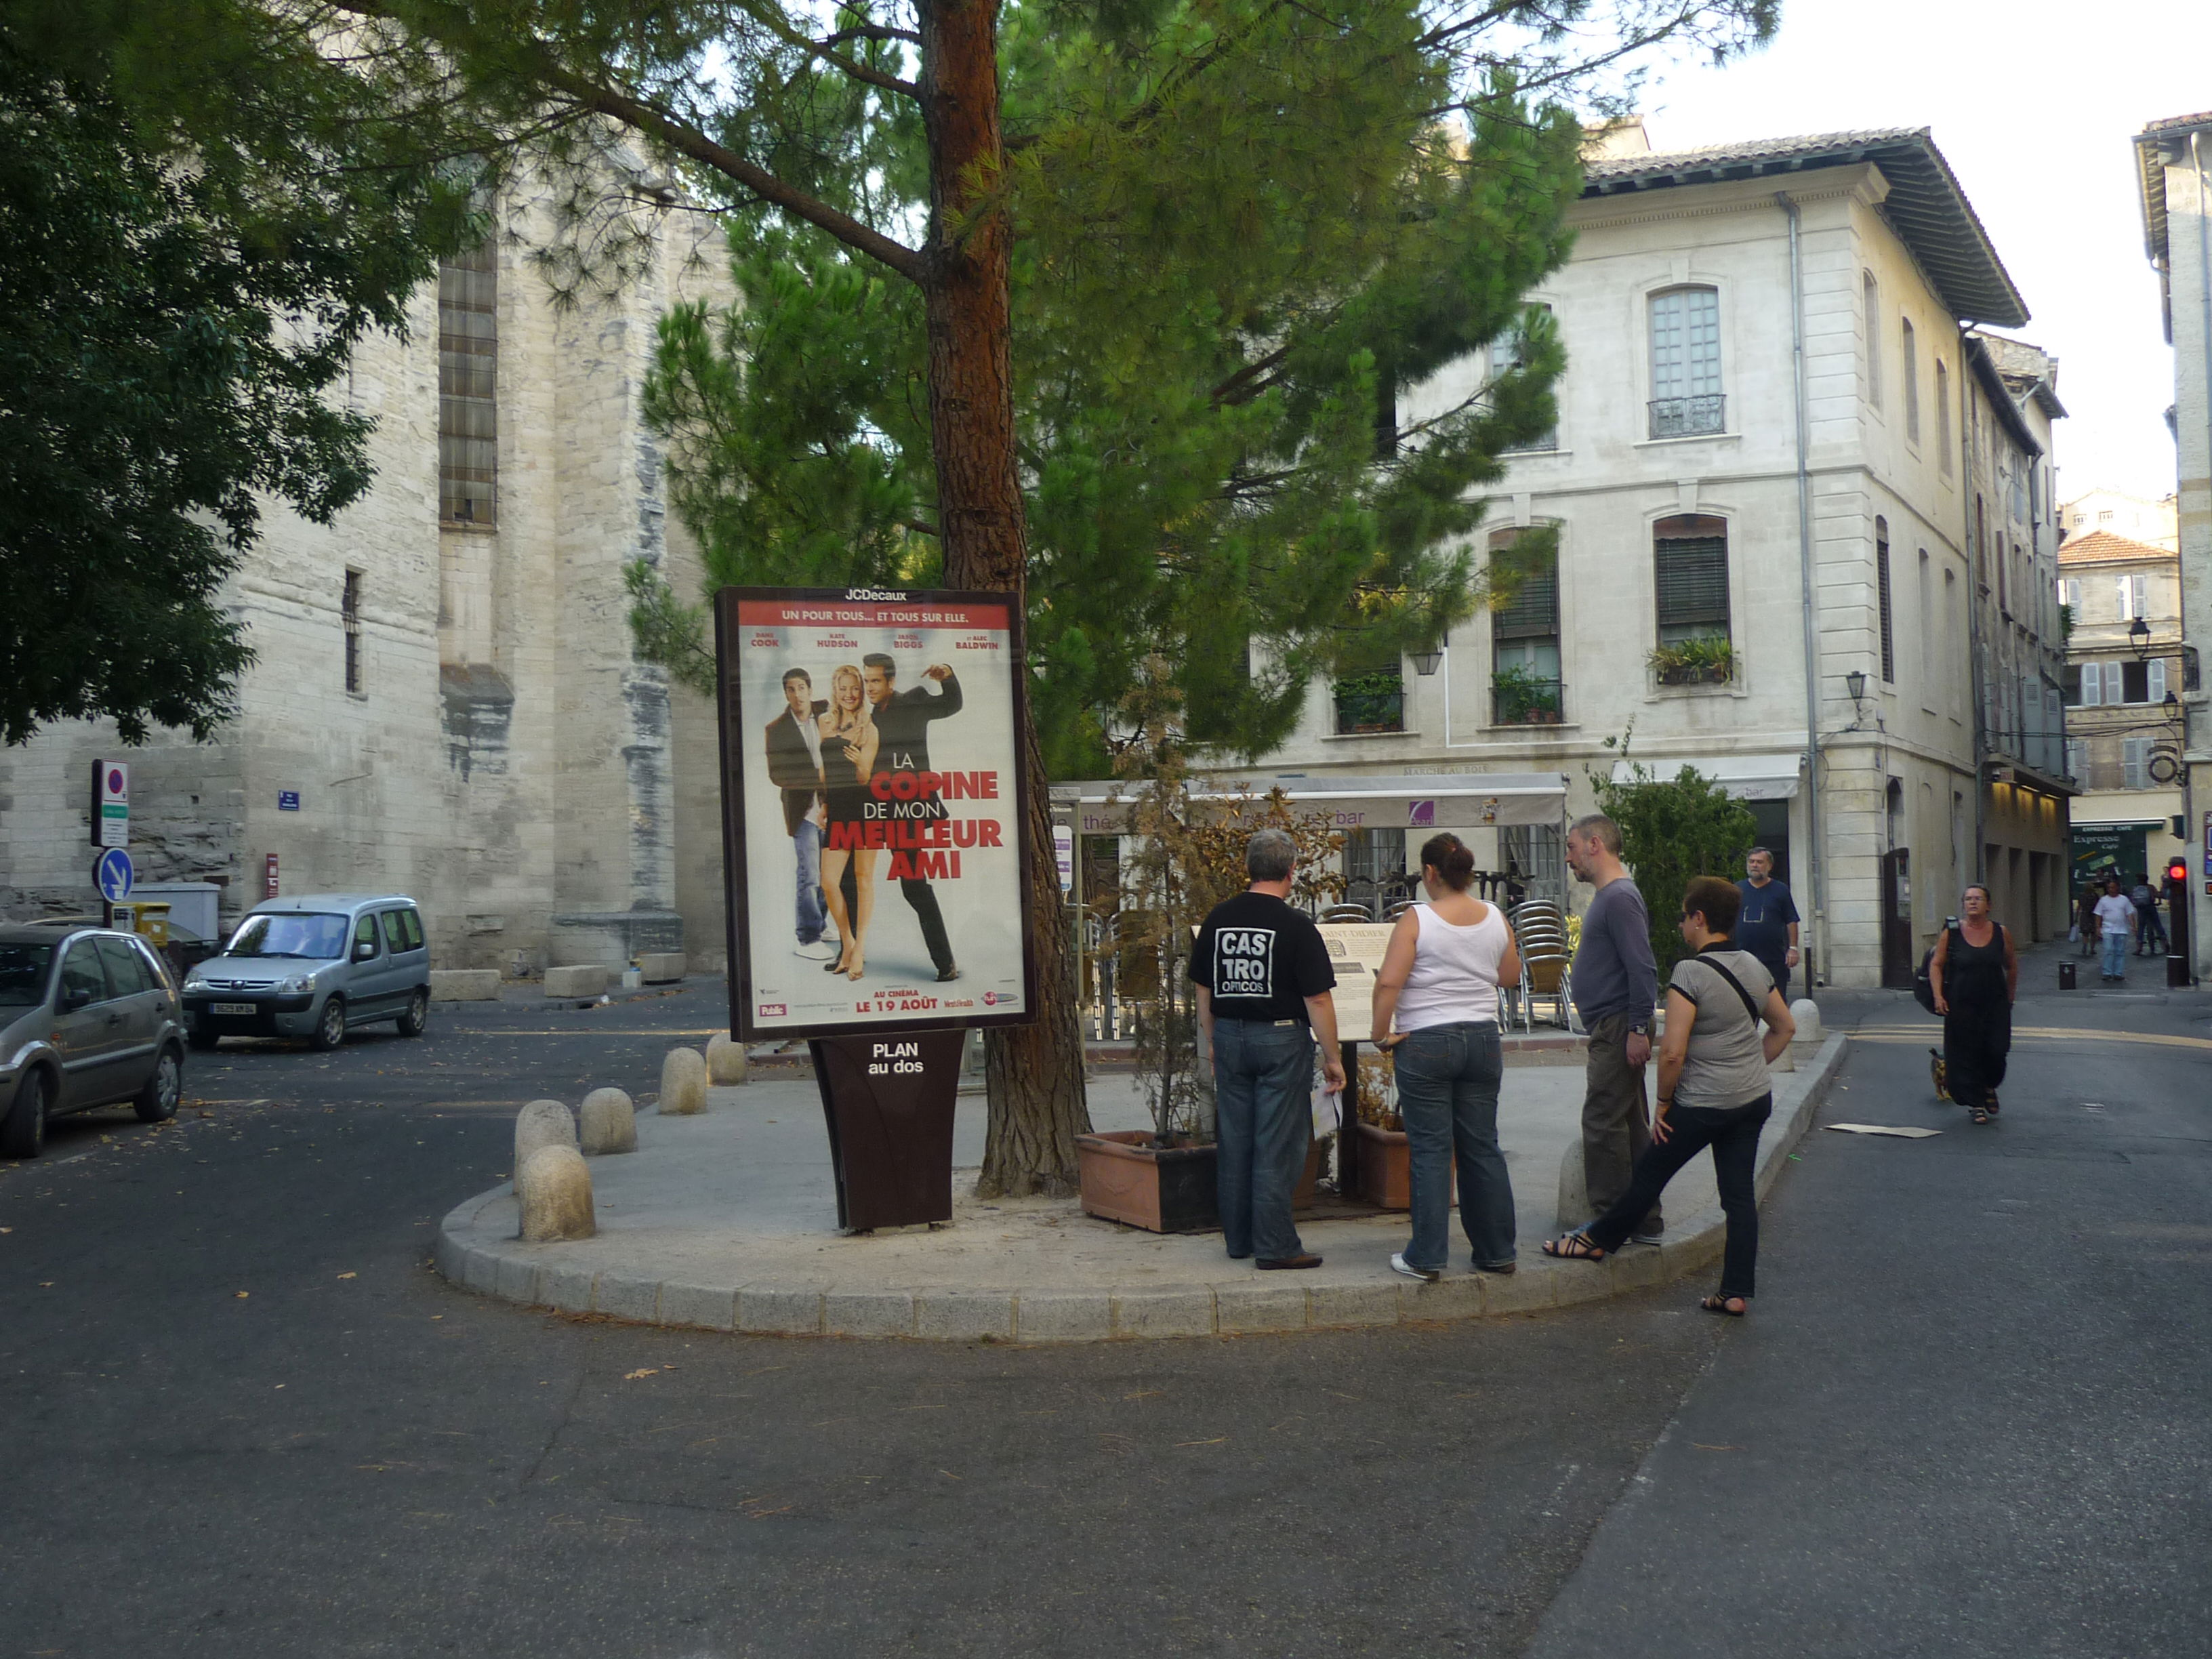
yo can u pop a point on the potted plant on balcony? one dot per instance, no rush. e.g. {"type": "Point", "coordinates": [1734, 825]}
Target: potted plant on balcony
{"type": "Point", "coordinates": [1703, 660]}
{"type": "Point", "coordinates": [1373, 702]}
{"type": "Point", "coordinates": [1162, 1178]}
{"type": "Point", "coordinates": [1525, 697]}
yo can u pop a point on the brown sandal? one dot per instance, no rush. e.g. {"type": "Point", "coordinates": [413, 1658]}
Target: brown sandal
{"type": "Point", "coordinates": [1719, 1304]}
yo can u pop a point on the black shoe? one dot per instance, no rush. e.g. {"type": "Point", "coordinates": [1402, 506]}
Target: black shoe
{"type": "Point", "coordinates": [1277, 1263]}
{"type": "Point", "coordinates": [950, 972]}
{"type": "Point", "coordinates": [833, 966]}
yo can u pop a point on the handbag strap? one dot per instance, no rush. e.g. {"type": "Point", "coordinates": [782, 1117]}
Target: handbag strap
{"type": "Point", "coordinates": [1736, 985]}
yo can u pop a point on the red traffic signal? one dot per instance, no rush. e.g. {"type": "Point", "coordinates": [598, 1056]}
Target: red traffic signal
{"type": "Point", "coordinates": [2176, 870]}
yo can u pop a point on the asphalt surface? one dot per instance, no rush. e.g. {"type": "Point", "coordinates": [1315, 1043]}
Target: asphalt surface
{"type": "Point", "coordinates": [1967, 1415]}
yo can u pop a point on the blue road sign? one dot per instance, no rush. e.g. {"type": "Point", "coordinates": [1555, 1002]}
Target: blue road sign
{"type": "Point", "coordinates": [113, 875]}
{"type": "Point", "coordinates": [288, 800]}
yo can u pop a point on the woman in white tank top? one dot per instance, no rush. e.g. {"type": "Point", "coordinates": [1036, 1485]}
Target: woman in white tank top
{"type": "Point", "coordinates": [1439, 985]}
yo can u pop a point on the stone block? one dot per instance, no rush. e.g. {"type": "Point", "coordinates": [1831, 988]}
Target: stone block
{"type": "Point", "coordinates": [1239, 1308]}
{"type": "Point", "coordinates": [1807, 1013]}
{"type": "Point", "coordinates": [610, 1124]}
{"type": "Point", "coordinates": [620, 1297]}
{"type": "Point", "coordinates": [480, 1270]}
{"type": "Point", "coordinates": [450, 1255]}
{"type": "Point", "coordinates": [1456, 1295]}
{"type": "Point", "coordinates": [541, 1123]}
{"type": "Point", "coordinates": [555, 1186]}
{"type": "Point", "coordinates": [660, 966]}
{"type": "Point", "coordinates": [1163, 1312]}
{"type": "Point", "coordinates": [1574, 1209]}
{"type": "Point", "coordinates": [964, 1315]}
{"type": "Point", "coordinates": [785, 1312]}
{"type": "Point", "coordinates": [1355, 1305]}
{"type": "Point", "coordinates": [586, 980]}
{"type": "Point", "coordinates": [465, 985]}
{"type": "Point", "coordinates": [868, 1313]}
{"type": "Point", "coordinates": [726, 1061]}
{"type": "Point", "coordinates": [683, 1083]}
{"type": "Point", "coordinates": [698, 1304]}
{"type": "Point", "coordinates": [1063, 1316]}
{"type": "Point", "coordinates": [569, 1289]}
{"type": "Point", "coordinates": [517, 1280]}
{"type": "Point", "coordinates": [1637, 1267]}
{"type": "Point", "coordinates": [1535, 1286]}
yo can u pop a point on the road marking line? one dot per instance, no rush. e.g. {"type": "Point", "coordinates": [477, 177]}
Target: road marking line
{"type": "Point", "coordinates": [2039, 1033]}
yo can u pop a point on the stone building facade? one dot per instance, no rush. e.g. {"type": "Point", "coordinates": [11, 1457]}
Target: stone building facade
{"type": "Point", "coordinates": [445, 701]}
{"type": "Point", "coordinates": [1766, 560]}
{"type": "Point", "coordinates": [2174, 173]}
{"type": "Point", "coordinates": [2122, 693]}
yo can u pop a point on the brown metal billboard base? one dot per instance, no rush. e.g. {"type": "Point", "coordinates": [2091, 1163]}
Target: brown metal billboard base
{"type": "Point", "coordinates": [889, 1101]}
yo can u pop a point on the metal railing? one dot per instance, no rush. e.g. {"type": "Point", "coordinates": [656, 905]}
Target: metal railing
{"type": "Point", "coordinates": [1527, 702]}
{"type": "Point", "coordinates": [1688, 417]}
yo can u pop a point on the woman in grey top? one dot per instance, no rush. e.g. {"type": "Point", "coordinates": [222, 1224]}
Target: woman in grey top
{"type": "Point", "coordinates": [1713, 1091]}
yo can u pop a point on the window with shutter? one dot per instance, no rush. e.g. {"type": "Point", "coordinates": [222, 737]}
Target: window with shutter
{"type": "Point", "coordinates": [1911, 365]}
{"type": "Point", "coordinates": [2115, 683]}
{"type": "Point", "coordinates": [2071, 678]}
{"type": "Point", "coordinates": [2135, 762]}
{"type": "Point", "coordinates": [2077, 758]}
{"type": "Point", "coordinates": [2156, 691]}
{"type": "Point", "coordinates": [1504, 357]}
{"type": "Point", "coordinates": [1882, 594]}
{"type": "Point", "coordinates": [1691, 574]}
{"type": "Point", "coordinates": [1686, 362]}
{"type": "Point", "coordinates": [468, 377]}
{"type": "Point", "coordinates": [1872, 293]}
{"type": "Point", "coordinates": [2135, 682]}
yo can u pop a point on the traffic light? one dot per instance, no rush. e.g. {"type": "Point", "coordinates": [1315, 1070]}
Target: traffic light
{"type": "Point", "coordinates": [2177, 870]}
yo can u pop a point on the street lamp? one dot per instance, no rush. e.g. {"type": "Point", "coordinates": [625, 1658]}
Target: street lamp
{"type": "Point", "coordinates": [1855, 683]}
{"type": "Point", "coordinates": [1424, 662]}
{"type": "Point", "coordinates": [2139, 637]}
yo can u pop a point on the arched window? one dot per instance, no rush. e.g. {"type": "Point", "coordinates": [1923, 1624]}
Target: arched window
{"type": "Point", "coordinates": [1883, 598]}
{"type": "Point", "coordinates": [1685, 363]}
{"type": "Point", "coordinates": [1872, 292]}
{"type": "Point", "coordinates": [1689, 576]}
{"type": "Point", "coordinates": [1910, 347]}
{"type": "Point", "coordinates": [1524, 630]}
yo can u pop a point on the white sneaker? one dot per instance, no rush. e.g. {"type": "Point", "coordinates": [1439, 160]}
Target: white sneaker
{"type": "Point", "coordinates": [823, 950]}
{"type": "Point", "coordinates": [1426, 1275]}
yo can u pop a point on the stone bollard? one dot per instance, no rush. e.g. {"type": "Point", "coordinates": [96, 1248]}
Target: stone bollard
{"type": "Point", "coordinates": [610, 1123]}
{"type": "Point", "coordinates": [554, 1188]}
{"type": "Point", "coordinates": [541, 1123]}
{"type": "Point", "coordinates": [683, 1083]}
{"type": "Point", "coordinates": [725, 1059]}
{"type": "Point", "coordinates": [1574, 1206]}
{"type": "Point", "coordinates": [1807, 1013]}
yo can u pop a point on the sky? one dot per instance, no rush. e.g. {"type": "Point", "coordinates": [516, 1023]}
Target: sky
{"type": "Point", "coordinates": [2033, 104]}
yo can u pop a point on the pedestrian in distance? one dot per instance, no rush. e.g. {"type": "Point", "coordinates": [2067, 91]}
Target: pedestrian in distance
{"type": "Point", "coordinates": [2150, 933]}
{"type": "Point", "coordinates": [1767, 924]}
{"type": "Point", "coordinates": [1616, 986]}
{"type": "Point", "coordinates": [1975, 975]}
{"type": "Point", "coordinates": [1438, 989]}
{"type": "Point", "coordinates": [2086, 926]}
{"type": "Point", "coordinates": [1714, 1090]}
{"type": "Point", "coordinates": [2116, 923]}
{"type": "Point", "coordinates": [1263, 979]}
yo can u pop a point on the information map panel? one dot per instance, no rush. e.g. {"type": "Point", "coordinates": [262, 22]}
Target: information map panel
{"type": "Point", "coordinates": [872, 803]}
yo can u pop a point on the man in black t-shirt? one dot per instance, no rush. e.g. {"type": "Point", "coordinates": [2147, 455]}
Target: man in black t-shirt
{"type": "Point", "coordinates": [1767, 924]}
{"type": "Point", "coordinates": [1263, 980]}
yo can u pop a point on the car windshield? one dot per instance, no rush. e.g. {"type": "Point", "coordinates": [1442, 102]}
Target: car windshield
{"type": "Point", "coordinates": [290, 933]}
{"type": "Point", "coordinates": [23, 974]}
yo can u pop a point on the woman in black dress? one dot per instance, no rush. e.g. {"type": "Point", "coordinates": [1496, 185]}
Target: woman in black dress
{"type": "Point", "coordinates": [850, 740]}
{"type": "Point", "coordinates": [1975, 975]}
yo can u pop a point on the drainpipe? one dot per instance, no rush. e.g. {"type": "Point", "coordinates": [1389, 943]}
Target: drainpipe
{"type": "Point", "coordinates": [1816, 970]}
{"type": "Point", "coordinates": [1978, 679]}
{"type": "Point", "coordinates": [2204, 299]}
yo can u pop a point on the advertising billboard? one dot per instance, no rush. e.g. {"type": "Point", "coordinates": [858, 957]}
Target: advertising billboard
{"type": "Point", "coordinates": [873, 804]}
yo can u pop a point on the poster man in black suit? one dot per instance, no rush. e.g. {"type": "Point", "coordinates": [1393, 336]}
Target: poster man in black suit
{"type": "Point", "coordinates": [794, 767]}
{"type": "Point", "coordinates": [902, 719]}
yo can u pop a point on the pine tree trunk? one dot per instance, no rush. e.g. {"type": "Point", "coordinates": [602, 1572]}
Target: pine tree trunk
{"type": "Point", "coordinates": [1035, 1072]}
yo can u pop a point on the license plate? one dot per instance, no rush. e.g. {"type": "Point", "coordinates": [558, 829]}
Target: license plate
{"type": "Point", "coordinates": [233, 1008]}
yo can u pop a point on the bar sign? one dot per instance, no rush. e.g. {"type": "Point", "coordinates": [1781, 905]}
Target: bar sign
{"type": "Point", "coordinates": [111, 803]}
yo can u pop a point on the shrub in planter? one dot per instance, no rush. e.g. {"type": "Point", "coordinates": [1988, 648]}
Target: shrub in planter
{"type": "Point", "coordinates": [1708, 660]}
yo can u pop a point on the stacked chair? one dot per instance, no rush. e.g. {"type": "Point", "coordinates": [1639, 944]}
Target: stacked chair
{"type": "Point", "coordinates": [1541, 929]}
{"type": "Point", "coordinates": [1347, 912]}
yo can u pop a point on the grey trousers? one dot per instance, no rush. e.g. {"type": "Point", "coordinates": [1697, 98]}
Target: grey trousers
{"type": "Point", "coordinates": [1616, 1120]}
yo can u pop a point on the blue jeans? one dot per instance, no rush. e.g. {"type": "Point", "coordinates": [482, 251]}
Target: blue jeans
{"type": "Point", "coordinates": [1447, 1078]}
{"type": "Point", "coordinates": [1263, 1123]}
{"type": "Point", "coordinates": [2115, 963]}
{"type": "Point", "coordinates": [813, 910]}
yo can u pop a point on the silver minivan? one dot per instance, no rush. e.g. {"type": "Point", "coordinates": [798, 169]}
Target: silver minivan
{"type": "Point", "coordinates": [314, 967]}
{"type": "Point", "coordinates": [87, 1016]}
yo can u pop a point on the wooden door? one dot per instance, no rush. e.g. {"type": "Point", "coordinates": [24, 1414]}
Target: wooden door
{"type": "Point", "coordinates": [1897, 963]}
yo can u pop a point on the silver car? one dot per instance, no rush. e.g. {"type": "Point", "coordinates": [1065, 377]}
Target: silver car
{"type": "Point", "coordinates": [314, 967]}
{"type": "Point", "coordinates": [87, 1016]}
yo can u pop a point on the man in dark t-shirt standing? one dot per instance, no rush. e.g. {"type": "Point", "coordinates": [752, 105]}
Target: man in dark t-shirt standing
{"type": "Point", "coordinates": [1766, 927]}
{"type": "Point", "coordinates": [1263, 979]}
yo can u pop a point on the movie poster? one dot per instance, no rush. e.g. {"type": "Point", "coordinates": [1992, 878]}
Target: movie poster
{"type": "Point", "coordinates": [872, 797]}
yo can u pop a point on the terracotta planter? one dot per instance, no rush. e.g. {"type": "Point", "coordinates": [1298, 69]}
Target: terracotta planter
{"type": "Point", "coordinates": [1162, 1189]}
{"type": "Point", "coordinates": [1385, 1174]}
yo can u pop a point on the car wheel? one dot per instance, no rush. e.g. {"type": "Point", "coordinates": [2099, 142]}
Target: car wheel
{"type": "Point", "coordinates": [416, 1014]}
{"type": "Point", "coordinates": [330, 1029]}
{"type": "Point", "coordinates": [157, 1101]}
{"type": "Point", "coordinates": [24, 1132]}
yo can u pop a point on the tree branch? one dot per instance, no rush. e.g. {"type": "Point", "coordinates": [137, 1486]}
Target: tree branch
{"type": "Point", "coordinates": [770, 17]}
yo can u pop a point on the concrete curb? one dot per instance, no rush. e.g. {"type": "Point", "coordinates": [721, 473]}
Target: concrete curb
{"type": "Point", "coordinates": [476, 1250]}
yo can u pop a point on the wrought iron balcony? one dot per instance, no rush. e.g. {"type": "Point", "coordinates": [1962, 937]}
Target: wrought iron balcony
{"type": "Point", "coordinates": [1688, 417]}
{"type": "Point", "coordinates": [1371, 702]}
{"type": "Point", "coordinates": [1522, 699]}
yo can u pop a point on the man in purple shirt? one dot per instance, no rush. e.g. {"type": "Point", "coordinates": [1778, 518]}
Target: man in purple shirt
{"type": "Point", "coordinates": [1616, 981]}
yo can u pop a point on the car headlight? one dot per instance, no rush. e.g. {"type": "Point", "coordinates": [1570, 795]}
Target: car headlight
{"type": "Point", "coordinates": [194, 982]}
{"type": "Point", "coordinates": [297, 983]}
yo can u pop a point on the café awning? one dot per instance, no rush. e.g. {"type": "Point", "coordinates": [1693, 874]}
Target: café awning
{"type": "Point", "coordinates": [1431, 801]}
{"type": "Point", "coordinates": [1748, 777]}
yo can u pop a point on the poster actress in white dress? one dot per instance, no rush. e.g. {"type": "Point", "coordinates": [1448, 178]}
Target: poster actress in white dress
{"type": "Point", "coordinates": [1439, 980]}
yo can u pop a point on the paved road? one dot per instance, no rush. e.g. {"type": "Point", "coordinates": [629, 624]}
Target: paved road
{"type": "Point", "coordinates": [1990, 1439]}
